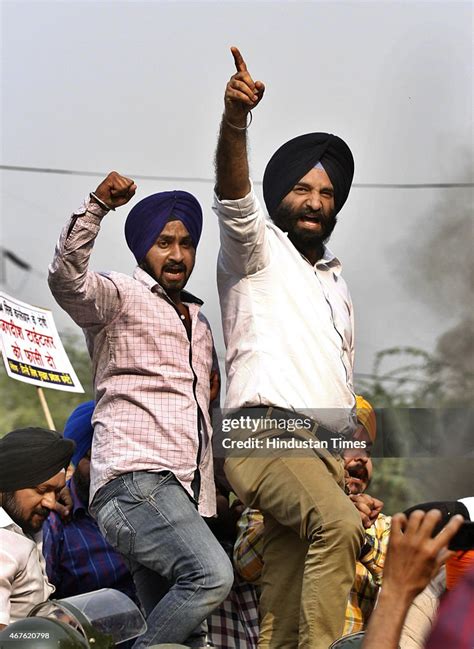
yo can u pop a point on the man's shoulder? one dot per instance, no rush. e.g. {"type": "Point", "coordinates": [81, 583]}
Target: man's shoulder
{"type": "Point", "coordinates": [116, 277]}
{"type": "Point", "coordinates": [15, 544]}
{"type": "Point", "coordinates": [126, 285]}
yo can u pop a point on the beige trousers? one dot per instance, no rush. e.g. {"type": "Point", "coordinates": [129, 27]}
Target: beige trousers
{"type": "Point", "coordinates": [312, 539]}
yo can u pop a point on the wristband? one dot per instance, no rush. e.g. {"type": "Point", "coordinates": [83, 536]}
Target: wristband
{"type": "Point", "coordinates": [101, 203]}
{"type": "Point", "coordinates": [239, 128]}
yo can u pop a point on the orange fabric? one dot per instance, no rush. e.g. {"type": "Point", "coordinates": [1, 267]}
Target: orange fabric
{"type": "Point", "coordinates": [457, 566]}
{"type": "Point", "coordinates": [366, 416]}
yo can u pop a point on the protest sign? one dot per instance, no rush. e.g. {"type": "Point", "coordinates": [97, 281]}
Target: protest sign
{"type": "Point", "coordinates": [31, 346]}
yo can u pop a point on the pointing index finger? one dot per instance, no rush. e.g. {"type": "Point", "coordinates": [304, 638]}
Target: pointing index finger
{"type": "Point", "coordinates": [238, 60]}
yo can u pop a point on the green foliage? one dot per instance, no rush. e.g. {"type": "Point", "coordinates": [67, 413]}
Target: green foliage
{"type": "Point", "coordinates": [20, 405]}
{"type": "Point", "coordinates": [406, 378]}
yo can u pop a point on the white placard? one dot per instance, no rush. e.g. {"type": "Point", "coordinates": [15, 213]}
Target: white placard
{"type": "Point", "coordinates": [31, 347]}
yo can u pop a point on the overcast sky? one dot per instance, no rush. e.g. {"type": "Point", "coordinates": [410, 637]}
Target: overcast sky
{"type": "Point", "coordinates": [138, 87]}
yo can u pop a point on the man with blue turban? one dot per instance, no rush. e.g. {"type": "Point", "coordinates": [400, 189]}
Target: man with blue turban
{"type": "Point", "coordinates": [78, 558]}
{"type": "Point", "coordinates": [151, 349]}
{"type": "Point", "coordinates": [288, 328]}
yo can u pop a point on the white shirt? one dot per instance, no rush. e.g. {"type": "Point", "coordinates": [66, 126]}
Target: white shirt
{"type": "Point", "coordinates": [23, 579]}
{"type": "Point", "coordinates": [288, 325]}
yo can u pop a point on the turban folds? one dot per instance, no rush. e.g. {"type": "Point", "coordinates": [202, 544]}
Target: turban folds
{"type": "Point", "coordinates": [147, 219]}
{"type": "Point", "coordinates": [30, 456]}
{"type": "Point", "coordinates": [298, 156]}
{"type": "Point", "coordinates": [79, 428]}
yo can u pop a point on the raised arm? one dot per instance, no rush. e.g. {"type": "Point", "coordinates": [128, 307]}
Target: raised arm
{"type": "Point", "coordinates": [115, 190]}
{"type": "Point", "coordinates": [413, 559]}
{"type": "Point", "coordinates": [89, 298]}
{"type": "Point", "coordinates": [242, 94]}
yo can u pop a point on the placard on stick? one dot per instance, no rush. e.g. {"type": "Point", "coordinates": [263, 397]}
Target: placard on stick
{"type": "Point", "coordinates": [31, 347]}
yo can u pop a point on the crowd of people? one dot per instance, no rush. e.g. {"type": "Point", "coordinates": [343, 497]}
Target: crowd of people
{"type": "Point", "coordinates": [280, 545]}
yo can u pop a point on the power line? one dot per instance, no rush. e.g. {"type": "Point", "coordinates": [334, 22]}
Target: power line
{"type": "Point", "coordinates": [394, 379]}
{"type": "Point", "coordinates": [197, 179]}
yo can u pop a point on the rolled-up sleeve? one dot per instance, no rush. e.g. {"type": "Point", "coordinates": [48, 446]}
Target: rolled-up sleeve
{"type": "Point", "coordinates": [242, 223]}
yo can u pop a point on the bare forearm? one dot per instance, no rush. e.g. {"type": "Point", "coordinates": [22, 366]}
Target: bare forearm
{"type": "Point", "coordinates": [232, 168]}
{"type": "Point", "coordinates": [386, 622]}
{"type": "Point", "coordinates": [241, 96]}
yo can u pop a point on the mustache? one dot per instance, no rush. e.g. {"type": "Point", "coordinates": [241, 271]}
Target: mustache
{"type": "Point", "coordinates": [175, 267]}
{"type": "Point", "coordinates": [42, 511]}
{"type": "Point", "coordinates": [307, 211]}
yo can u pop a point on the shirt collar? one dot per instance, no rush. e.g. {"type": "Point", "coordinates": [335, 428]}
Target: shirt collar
{"type": "Point", "coordinates": [330, 260]}
{"type": "Point", "coordinates": [7, 521]}
{"type": "Point", "coordinates": [151, 284]}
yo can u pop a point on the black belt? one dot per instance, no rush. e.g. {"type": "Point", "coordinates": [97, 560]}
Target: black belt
{"type": "Point", "coordinates": [272, 412]}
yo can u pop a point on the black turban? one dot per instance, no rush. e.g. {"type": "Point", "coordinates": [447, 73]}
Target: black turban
{"type": "Point", "coordinates": [448, 509]}
{"type": "Point", "coordinates": [30, 456]}
{"type": "Point", "coordinates": [295, 158]}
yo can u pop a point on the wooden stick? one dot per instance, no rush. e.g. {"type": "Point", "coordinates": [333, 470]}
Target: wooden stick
{"type": "Point", "coordinates": [44, 405]}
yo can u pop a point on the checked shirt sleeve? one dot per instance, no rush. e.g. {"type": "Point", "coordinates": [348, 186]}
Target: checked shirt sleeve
{"type": "Point", "coordinates": [248, 547]}
{"type": "Point", "coordinates": [377, 537]}
{"type": "Point", "coordinates": [90, 298]}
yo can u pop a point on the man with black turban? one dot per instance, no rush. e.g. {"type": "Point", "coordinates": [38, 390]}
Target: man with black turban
{"type": "Point", "coordinates": [151, 348]}
{"type": "Point", "coordinates": [33, 464]}
{"type": "Point", "coordinates": [288, 327]}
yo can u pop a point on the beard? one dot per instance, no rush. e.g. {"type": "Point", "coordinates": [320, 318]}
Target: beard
{"type": "Point", "coordinates": [168, 285]}
{"type": "Point", "coordinates": [15, 512]}
{"type": "Point", "coordinates": [286, 218]}
{"type": "Point", "coordinates": [359, 478]}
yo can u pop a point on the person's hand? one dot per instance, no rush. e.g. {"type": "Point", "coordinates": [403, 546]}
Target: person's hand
{"type": "Point", "coordinates": [64, 504]}
{"type": "Point", "coordinates": [115, 190]}
{"type": "Point", "coordinates": [242, 93]}
{"type": "Point", "coordinates": [413, 556]}
{"type": "Point", "coordinates": [368, 506]}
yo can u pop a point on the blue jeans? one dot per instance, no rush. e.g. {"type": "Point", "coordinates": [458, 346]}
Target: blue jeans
{"type": "Point", "coordinates": [153, 522]}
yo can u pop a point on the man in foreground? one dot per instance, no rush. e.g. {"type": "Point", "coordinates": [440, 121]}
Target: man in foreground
{"type": "Point", "coordinates": [288, 328]}
{"type": "Point", "coordinates": [151, 349]}
{"type": "Point", "coordinates": [33, 465]}
{"type": "Point", "coordinates": [248, 549]}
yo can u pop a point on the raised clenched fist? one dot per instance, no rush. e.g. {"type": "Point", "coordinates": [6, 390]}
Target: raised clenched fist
{"type": "Point", "coordinates": [115, 190]}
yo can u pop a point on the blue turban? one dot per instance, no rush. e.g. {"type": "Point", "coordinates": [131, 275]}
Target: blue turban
{"type": "Point", "coordinates": [147, 219]}
{"type": "Point", "coordinates": [79, 428]}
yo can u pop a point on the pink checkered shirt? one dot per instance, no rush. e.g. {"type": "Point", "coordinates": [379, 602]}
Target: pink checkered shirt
{"type": "Point", "coordinates": [150, 380]}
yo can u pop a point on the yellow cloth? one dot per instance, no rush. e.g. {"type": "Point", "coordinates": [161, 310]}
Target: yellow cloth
{"type": "Point", "coordinates": [366, 416]}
